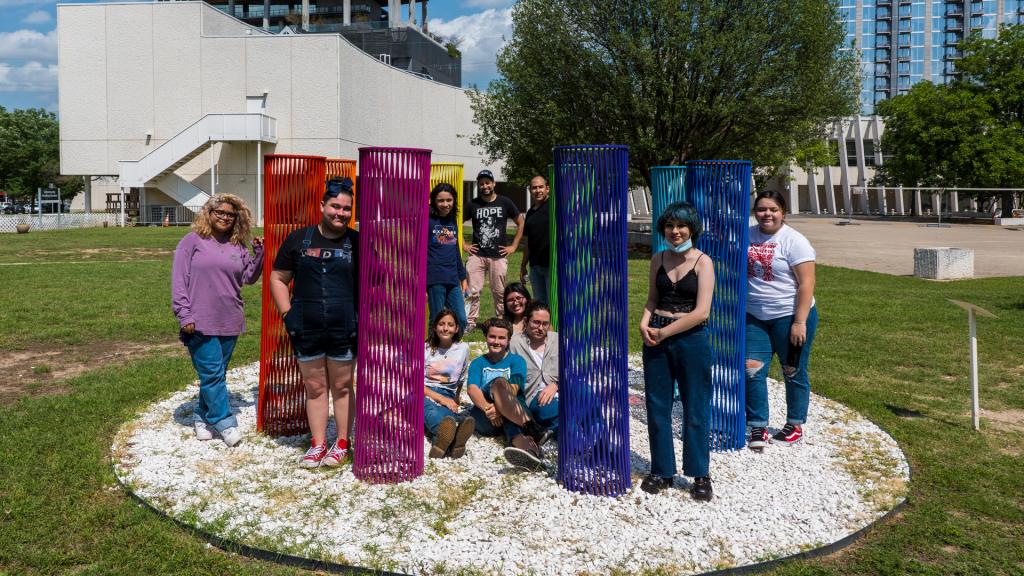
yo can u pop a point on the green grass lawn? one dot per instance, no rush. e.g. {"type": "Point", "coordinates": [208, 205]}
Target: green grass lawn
{"type": "Point", "coordinates": [890, 347]}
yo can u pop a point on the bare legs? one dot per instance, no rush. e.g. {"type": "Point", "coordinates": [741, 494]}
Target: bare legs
{"type": "Point", "coordinates": [319, 377]}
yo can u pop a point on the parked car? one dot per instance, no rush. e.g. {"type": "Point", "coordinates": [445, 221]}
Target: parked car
{"type": "Point", "coordinates": [7, 207]}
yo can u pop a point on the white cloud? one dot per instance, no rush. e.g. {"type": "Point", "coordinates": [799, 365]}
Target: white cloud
{"type": "Point", "coordinates": [29, 77]}
{"type": "Point", "coordinates": [37, 17]}
{"type": "Point", "coordinates": [28, 45]}
{"type": "Point", "coordinates": [484, 3]}
{"type": "Point", "coordinates": [6, 3]}
{"type": "Point", "coordinates": [482, 34]}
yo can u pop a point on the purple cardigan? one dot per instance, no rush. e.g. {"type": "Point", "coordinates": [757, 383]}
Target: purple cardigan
{"type": "Point", "coordinates": [206, 283]}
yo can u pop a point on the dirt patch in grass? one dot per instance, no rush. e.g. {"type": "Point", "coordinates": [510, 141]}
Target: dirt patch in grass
{"type": "Point", "coordinates": [1008, 420]}
{"type": "Point", "coordinates": [41, 370]}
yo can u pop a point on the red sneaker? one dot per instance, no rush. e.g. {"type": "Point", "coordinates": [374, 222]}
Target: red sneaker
{"type": "Point", "coordinates": [335, 456]}
{"type": "Point", "coordinates": [789, 435]}
{"type": "Point", "coordinates": [314, 456]}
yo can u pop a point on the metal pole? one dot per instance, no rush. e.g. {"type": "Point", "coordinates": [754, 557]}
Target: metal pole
{"type": "Point", "coordinates": [259, 182]}
{"type": "Point", "coordinates": [213, 169]}
{"type": "Point", "coordinates": [974, 367]}
{"type": "Point", "coordinates": [39, 206]}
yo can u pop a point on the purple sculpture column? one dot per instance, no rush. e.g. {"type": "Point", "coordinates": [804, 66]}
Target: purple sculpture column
{"type": "Point", "coordinates": [394, 186]}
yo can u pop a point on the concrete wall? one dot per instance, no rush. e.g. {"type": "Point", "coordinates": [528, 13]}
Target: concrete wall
{"type": "Point", "coordinates": [126, 70]}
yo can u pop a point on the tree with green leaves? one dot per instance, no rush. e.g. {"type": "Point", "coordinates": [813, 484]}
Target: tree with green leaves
{"type": "Point", "coordinates": [30, 153]}
{"type": "Point", "coordinates": [965, 134]}
{"type": "Point", "coordinates": [674, 80]}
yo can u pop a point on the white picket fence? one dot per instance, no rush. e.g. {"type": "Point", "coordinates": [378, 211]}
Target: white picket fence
{"type": "Point", "coordinates": [9, 222]}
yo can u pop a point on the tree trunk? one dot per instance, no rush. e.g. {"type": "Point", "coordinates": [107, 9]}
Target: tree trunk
{"type": "Point", "coordinates": [1007, 204]}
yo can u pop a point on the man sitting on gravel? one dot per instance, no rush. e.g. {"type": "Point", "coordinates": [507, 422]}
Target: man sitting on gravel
{"type": "Point", "coordinates": [539, 347]}
{"type": "Point", "coordinates": [496, 389]}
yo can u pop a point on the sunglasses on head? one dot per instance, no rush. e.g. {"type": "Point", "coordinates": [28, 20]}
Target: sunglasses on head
{"type": "Point", "coordinates": [337, 186]}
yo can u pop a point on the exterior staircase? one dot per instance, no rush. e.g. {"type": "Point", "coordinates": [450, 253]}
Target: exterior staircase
{"type": "Point", "coordinates": [163, 160]}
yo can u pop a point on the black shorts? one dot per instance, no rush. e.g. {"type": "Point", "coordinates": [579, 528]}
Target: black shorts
{"type": "Point", "coordinates": [314, 344]}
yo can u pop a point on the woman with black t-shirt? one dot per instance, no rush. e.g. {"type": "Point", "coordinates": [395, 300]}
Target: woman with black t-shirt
{"type": "Point", "coordinates": [321, 317]}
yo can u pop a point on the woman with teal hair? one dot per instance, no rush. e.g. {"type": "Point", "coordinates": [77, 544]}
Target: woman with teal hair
{"type": "Point", "coordinates": [676, 349]}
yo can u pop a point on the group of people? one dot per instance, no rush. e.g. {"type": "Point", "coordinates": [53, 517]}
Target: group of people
{"type": "Point", "coordinates": [513, 387]}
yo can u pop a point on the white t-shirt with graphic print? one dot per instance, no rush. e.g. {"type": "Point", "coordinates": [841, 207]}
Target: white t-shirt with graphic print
{"type": "Point", "coordinates": [771, 283]}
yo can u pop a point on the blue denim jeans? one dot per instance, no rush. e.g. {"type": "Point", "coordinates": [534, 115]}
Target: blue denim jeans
{"type": "Point", "coordinates": [686, 359]}
{"type": "Point", "coordinates": [440, 296]}
{"type": "Point", "coordinates": [210, 356]}
{"type": "Point", "coordinates": [434, 413]}
{"type": "Point", "coordinates": [771, 337]}
{"type": "Point", "coordinates": [545, 416]}
{"type": "Point", "coordinates": [540, 282]}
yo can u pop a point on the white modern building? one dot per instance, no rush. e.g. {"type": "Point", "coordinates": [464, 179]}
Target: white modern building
{"type": "Point", "coordinates": [174, 101]}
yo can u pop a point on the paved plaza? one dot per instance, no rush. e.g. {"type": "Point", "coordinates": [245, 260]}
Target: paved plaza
{"type": "Point", "coordinates": [888, 247]}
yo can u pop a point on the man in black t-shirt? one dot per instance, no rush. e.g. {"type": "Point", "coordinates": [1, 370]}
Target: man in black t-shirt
{"type": "Point", "coordinates": [538, 241]}
{"type": "Point", "coordinates": [321, 316]}
{"type": "Point", "coordinates": [490, 214]}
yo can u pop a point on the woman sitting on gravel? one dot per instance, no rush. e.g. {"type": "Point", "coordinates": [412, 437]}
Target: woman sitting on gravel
{"type": "Point", "coordinates": [676, 349]}
{"type": "Point", "coordinates": [781, 319]}
{"type": "Point", "coordinates": [445, 363]}
{"type": "Point", "coordinates": [211, 263]}
{"type": "Point", "coordinates": [517, 299]}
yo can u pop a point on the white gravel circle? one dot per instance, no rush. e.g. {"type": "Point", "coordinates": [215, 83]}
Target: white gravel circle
{"type": "Point", "coordinates": [477, 515]}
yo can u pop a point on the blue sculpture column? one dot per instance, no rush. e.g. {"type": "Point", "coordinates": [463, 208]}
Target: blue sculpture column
{"type": "Point", "coordinates": [593, 410]}
{"type": "Point", "coordinates": [720, 190]}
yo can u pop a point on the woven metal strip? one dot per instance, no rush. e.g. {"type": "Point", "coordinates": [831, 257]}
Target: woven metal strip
{"type": "Point", "coordinates": [451, 173]}
{"type": "Point", "coordinates": [591, 232]}
{"type": "Point", "coordinates": [720, 190]}
{"type": "Point", "coordinates": [343, 168]}
{"type": "Point", "coordinates": [553, 266]}
{"type": "Point", "coordinates": [292, 188]}
{"type": "Point", "coordinates": [394, 188]}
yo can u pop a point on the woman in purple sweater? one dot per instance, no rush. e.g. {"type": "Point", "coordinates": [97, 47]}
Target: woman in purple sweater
{"type": "Point", "coordinates": [211, 263]}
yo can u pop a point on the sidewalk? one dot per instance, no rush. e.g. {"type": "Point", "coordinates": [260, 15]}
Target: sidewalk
{"type": "Point", "coordinates": [888, 247]}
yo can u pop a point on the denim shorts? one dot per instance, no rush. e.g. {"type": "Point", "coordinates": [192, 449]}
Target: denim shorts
{"type": "Point", "coordinates": [316, 344]}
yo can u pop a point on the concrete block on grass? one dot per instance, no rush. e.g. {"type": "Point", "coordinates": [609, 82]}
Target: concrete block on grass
{"type": "Point", "coordinates": [943, 263]}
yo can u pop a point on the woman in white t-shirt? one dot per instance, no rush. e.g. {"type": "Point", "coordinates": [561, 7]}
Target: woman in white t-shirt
{"type": "Point", "coordinates": [445, 360]}
{"type": "Point", "coordinates": [781, 318]}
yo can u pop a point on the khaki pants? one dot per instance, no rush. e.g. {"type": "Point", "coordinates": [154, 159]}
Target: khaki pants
{"type": "Point", "coordinates": [495, 269]}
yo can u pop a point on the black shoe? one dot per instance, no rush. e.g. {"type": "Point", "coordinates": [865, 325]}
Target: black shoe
{"type": "Point", "coordinates": [654, 484]}
{"type": "Point", "coordinates": [758, 438]}
{"type": "Point", "coordinates": [701, 489]}
{"type": "Point", "coordinates": [533, 430]}
{"type": "Point", "coordinates": [546, 437]}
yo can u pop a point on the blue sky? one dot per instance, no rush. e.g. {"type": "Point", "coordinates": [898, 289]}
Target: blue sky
{"type": "Point", "coordinates": [28, 45]}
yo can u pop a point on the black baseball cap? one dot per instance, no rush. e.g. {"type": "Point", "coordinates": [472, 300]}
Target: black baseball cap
{"type": "Point", "coordinates": [485, 174]}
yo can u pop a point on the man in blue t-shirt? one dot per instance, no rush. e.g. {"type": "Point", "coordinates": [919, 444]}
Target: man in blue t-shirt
{"type": "Point", "coordinates": [496, 382]}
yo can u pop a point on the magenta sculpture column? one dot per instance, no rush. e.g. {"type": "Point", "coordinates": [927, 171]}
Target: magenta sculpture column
{"type": "Point", "coordinates": [394, 188]}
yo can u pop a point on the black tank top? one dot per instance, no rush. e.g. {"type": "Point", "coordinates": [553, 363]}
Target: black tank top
{"type": "Point", "coordinates": [679, 296]}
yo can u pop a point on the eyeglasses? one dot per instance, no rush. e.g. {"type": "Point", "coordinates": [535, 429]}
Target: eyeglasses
{"type": "Point", "coordinates": [516, 299]}
{"type": "Point", "coordinates": [225, 215]}
{"type": "Point", "coordinates": [539, 323]}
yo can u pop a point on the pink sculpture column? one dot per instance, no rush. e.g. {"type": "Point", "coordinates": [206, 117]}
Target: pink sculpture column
{"type": "Point", "coordinates": [394, 188]}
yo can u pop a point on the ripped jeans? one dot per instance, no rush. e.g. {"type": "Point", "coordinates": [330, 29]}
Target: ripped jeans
{"type": "Point", "coordinates": [771, 337]}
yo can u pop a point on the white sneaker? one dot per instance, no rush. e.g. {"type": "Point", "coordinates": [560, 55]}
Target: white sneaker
{"type": "Point", "coordinates": [203, 431]}
{"type": "Point", "coordinates": [231, 436]}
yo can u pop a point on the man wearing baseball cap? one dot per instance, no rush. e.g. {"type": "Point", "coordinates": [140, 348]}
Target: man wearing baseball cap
{"type": "Point", "coordinates": [490, 214]}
